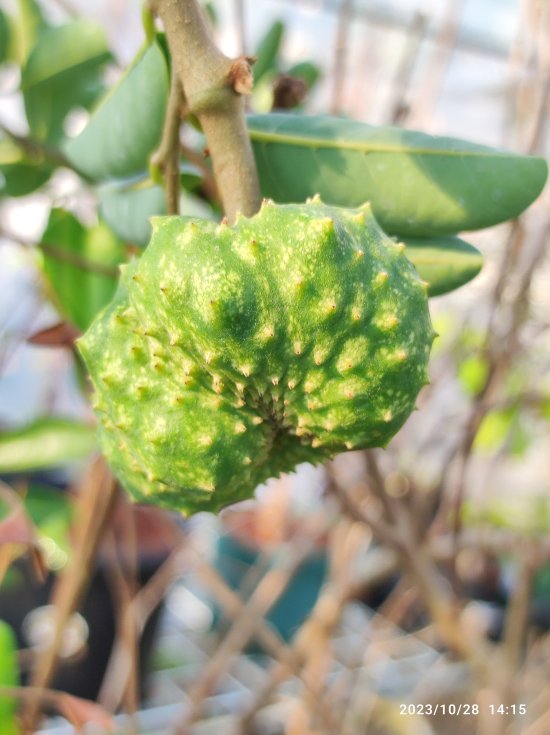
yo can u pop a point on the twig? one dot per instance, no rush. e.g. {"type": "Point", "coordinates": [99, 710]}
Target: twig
{"type": "Point", "coordinates": [311, 641]}
{"type": "Point", "coordinates": [517, 616]}
{"type": "Point", "coordinates": [75, 709]}
{"type": "Point", "coordinates": [166, 157]}
{"type": "Point", "coordinates": [433, 588]}
{"type": "Point", "coordinates": [363, 512]}
{"type": "Point", "coordinates": [398, 108]}
{"type": "Point", "coordinates": [93, 510]}
{"type": "Point", "coordinates": [289, 658]}
{"type": "Point", "coordinates": [122, 583]}
{"type": "Point", "coordinates": [121, 666]}
{"type": "Point", "coordinates": [214, 85]}
{"type": "Point", "coordinates": [445, 43]}
{"type": "Point", "coordinates": [499, 362]}
{"type": "Point", "coordinates": [244, 627]}
{"type": "Point", "coordinates": [208, 181]}
{"type": "Point", "coordinates": [66, 256]}
{"type": "Point", "coordinates": [39, 152]}
{"type": "Point", "coordinates": [150, 595]}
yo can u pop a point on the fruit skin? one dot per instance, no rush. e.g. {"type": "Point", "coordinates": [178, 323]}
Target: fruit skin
{"type": "Point", "coordinates": [232, 354]}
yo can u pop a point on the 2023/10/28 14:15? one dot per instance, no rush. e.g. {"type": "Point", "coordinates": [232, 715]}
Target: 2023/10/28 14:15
{"type": "Point", "coordinates": [463, 709]}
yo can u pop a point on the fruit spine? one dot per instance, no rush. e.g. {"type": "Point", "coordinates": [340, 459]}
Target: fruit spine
{"type": "Point", "coordinates": [232, 354]}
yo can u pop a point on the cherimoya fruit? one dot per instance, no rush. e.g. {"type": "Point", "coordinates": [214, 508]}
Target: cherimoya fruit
{"type": "Point", "coordinates": [232, 354]}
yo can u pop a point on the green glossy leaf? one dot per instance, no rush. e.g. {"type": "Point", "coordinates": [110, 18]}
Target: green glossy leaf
{"type": "Point", "coordinates": [268, 50]}
{"type": "Point", "coordinates": [47, 443]}
{"type": "Point", "coordinates": [418, 185]}
{"type": "Point", "coordinates": [445, 263]}
{"type": "Point", "coordinates": [127, 209]}
{"type": "Point", "coordinates": [127, 125]}
{"type": "Point", "coordinates": [63, 71]}
{"type": "Point", "coordinates": [9, 677]}
{"type": "Point", "coordinates": [80, 265]}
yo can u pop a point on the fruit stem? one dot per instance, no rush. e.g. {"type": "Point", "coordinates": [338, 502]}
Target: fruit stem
{"type": "Point", "coordinates": [214, 86]}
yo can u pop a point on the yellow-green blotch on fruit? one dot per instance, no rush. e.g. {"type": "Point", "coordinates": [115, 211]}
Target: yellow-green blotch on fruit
{"type": "Point", "coordinates": [232, 354]}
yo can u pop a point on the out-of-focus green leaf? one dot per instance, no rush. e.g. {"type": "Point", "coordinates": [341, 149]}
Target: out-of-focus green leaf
{"type": "Point", "coordinates": [23, 178]}
{"type": "Point", "coordinates": [47, 443]}
{"type": "Point", "coordinates": [80, 265]}
{"type": "Point", "coordinates": [444, 324]}
{"type": "Point", "coordinates": [63, 49]}
{"type": "Point", "coordinates": [51, 511]}
{"type": "Point", "coordinates": [268, 50]}
{"type": "Point", "coordinates": [446, 263]}
{"type": "Point", "coordinates": [500, 426]}
{"type": "Point", "coordinates": [126, 127]}
{"type": "Point", "coordinates": [127, 209]}
{"type": "Point", "coordinates": [306, 70]}
{"type": "Point", "coordinates": [19, 175]}
{"type": "Point", "coordinates": [47, 105]}
{"type": "Point", "coordinates": [544, 408]}
{"type": "Point", "coordinates": [418, 185]}
{"type": "Point", "coordinates": [211, 12]}
{"type": "Point", "coordinates": [493, 430]}
{"type": "Point", "coordinates": [4, 37]}
{"type": "Point", "coordinates": [9, 677]}
{"type": "Point", "coordinates": [26, 27]}
{"type": "Point", "coordinates": [527, 515]}
{"type": "Point", "coordinates": [471, 337]}
{"type": "Point", "coordinates": [190, 178]}
{"type": "Point", "coordinates": [472, 374]}
{"type": "Point", "coordinates": [261, 99]}
{"type": "Point", "coordinates": [63, 71]}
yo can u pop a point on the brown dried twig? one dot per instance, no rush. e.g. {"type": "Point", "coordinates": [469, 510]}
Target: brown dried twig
{"type": "Point", "coordinates": [94, 506]}
{"type": "Point", "coordinates": [243, 629]}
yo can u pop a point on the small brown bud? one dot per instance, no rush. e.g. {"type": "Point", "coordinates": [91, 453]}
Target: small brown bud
{"type": "Point", "coordinates": [240, 75]}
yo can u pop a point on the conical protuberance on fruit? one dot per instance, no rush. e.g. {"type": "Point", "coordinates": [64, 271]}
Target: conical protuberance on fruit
{"type": "Point", "coordinates": [232, 354]}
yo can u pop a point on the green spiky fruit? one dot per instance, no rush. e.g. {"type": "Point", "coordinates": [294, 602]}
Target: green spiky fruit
{"type": "Point", "coordinates": [232, 354]}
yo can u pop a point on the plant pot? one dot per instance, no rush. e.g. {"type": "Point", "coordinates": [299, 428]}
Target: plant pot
{"type": "Point", "coordinates": [237, 555]}
{"type": "Point", "coordinates": [25, 606]}
{"type": "Point", "coordinates": [25, 601]}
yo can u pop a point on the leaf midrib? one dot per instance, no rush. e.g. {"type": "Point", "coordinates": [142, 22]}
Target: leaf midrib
{"type": "Point", "coordinates": [311, 142]}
